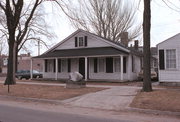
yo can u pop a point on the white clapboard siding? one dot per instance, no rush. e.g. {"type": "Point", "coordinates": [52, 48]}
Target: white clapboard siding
{"type": "Point", "coordinates": [92, 41]}
{"type": "Point", "coordinates": [170, 75]}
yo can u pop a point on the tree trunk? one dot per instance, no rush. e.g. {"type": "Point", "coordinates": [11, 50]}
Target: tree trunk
{"type": "Point", "coordinates": [10, 78]}
{"type": "Point", "coordinates": [16, 59]}
{"type": "Point", "coordinates": [146, 47]}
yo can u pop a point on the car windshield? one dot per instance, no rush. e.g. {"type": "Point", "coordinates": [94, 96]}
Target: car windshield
{"type": "Point", "coordinates": [35, 71]}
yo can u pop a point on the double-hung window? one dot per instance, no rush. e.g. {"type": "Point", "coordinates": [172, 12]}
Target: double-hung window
{"type": "Point", "coordinates": [171, 59]}
{"type": "Point", "coordinates": [63, 65]}
{"type": "Point", "coordinates": [117, 64]}
{"type": "Point", "coordinates": [81, 41]}
{"type": "Point", "coordinates": [101, 64]}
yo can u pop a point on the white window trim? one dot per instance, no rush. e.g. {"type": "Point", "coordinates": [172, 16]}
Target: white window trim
{"type": "Point", "coordinates": [82, 40]}
{"type": "Point", "coordinates": [65, 66]}
{"type": "Point", "coordinates": [114, 65]}
{"type": "Point", "coordinates": [99, 64]}
{"type": "Point", "coordinates": [176, 59]}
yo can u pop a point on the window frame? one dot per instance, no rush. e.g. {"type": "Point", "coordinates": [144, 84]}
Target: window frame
{"type": "Point", "coordinates": [114, 62]}
{"type": "Point", "coordinates": [170, 68]}
{"type": "Point", "coordinates": [100, 63]}
{"type": "Point", "coordinates": [64, 66]}
{"type": "Point", "coordinates": [81, 42]}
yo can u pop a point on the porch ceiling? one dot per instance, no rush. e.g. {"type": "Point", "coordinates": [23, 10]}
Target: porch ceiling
{"type": "Point", "coordinates": [82, 52]}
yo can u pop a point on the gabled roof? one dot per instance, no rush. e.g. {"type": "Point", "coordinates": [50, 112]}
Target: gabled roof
{"type": "Point", "coordinates": [98, 51]}
{"type": "Point", "coordinates": [169, 39]}
{"type": "Point", "coordinates": [113, 44]}
{"type": "Point", "coordinates": [115, 47]}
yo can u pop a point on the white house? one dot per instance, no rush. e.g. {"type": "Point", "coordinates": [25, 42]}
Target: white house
{"type": "Point", "coordinates": [169, 60]}
{"type": "Point", "coordinates": [94, 57]}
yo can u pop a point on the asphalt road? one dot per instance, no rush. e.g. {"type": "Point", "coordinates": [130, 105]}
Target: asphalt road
{"type": "Point", "coordinates": [17, 114]}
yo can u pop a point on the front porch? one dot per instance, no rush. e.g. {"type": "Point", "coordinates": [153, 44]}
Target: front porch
{"type": "Point", "coordinates": [92, 68]}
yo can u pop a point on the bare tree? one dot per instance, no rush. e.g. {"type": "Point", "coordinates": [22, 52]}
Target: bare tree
{"type": "Point", "coordinates": [146, 46]}
{"type": "Point", "coordinates": [12, 10]}
{"type": "Point", "coordinates": [37, 29]}
{"type": "Point", "coordinates": [106, 18]}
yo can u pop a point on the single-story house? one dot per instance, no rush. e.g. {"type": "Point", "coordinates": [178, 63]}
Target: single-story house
{"type": "Point", "coordinates": [96, 58]}
{"type": "Point", "coordinates": [169, 60]}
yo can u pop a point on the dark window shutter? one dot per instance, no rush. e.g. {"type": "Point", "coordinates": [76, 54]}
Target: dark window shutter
{"type": "Point", "coordinates": [161, 60]}
{"type": "Point", "coordinates": [46, 65]}
{"type": "Point", "coordinates": [54, 61]}
{"type": "Point", "coordinates": [132, 64]}
{"type": "Point", "coordinates": [76, 41]}
{"type": "Point", "coordinates": [95, 65]}
{"type": "Point", "coordinates": [85, 41]}
{"type": "Point", "coordinates": [124, 64]}
{"type": "Point", "coordinates": [69, 65]}
{"type": "Point", "coordinates": [109, 65]}
{"type": "Point", "coordinates": [59, 65]}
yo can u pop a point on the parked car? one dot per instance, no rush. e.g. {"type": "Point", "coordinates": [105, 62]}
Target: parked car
{"type": "Point", "coordinates": [20, 74]}
{"type": "Point", "coordinates": [154, 75]}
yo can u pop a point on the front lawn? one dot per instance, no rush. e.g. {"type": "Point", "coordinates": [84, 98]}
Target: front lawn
{"type": "Point", "coordinates": [45, 91]}
{"type": "Point", "coordinates": [161, 99]}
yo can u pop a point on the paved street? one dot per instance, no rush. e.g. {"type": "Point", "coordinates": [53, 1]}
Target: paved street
{"type": "Point", "coordinates": [16, 114]}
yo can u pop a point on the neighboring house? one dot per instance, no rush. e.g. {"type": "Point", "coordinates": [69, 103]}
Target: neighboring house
{"type": "Point", "coordinates": [154, 57]}
{"type": "Point", "coordinates": [169, 60]}
{"type": "Point", "coordinates": [24, 63]}
{"type": "Point", "coordinates": [3, 64]}
{"type": "Point", "coordinates": [94, 57]}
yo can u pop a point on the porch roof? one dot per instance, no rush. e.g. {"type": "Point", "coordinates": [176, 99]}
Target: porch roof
{"type": "Point", "coordinates": [82, 52]}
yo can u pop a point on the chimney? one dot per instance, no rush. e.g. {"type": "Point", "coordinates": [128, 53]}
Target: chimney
{"type": "Point", "coordinates": [124, 38]}
{"type": "Point", "coordinates": [28, 54]}
{"type": "Point", "coordinates": [136, 44]}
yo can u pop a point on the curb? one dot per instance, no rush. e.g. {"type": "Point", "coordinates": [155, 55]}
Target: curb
{"type": "Point", "coordinates": [31, 99]}
{"type": "Point", "coordinates": [156, 112]}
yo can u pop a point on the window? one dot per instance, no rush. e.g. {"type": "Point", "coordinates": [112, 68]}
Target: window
{"type": "Point", "coordinates": [109, 65]}
{"type": "Point", "coordinates": [95, 65]}
{"type": "Point", "coordinates": [49, 65]}
{"type": "Point", "coordinates": [117, 64]}
{"type": "Point", "coordinates": [81, 41]}
{"type": "Point", "coordinates": [171, 59]}
{"type": "Point", "coordinates": [101, 62]}
{"type": "Point", "coordinates": [63, 65]}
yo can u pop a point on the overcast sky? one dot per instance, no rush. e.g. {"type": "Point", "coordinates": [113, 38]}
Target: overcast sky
{"type": "Point", "coordinates": [165, 21]}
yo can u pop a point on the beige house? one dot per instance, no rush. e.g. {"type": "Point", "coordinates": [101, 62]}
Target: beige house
{"type": "Point", "coordinates": [94, 57]}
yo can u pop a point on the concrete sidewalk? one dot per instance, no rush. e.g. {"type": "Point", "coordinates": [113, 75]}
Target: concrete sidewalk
{"type": "Point", "coordinates": [115, 98]}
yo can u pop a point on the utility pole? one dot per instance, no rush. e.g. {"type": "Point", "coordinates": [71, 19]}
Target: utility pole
{"type": "Point", "coordinates": [39, 46]}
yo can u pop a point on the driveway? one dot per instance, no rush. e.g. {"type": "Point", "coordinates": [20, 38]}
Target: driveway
{"type": "Point", "coordinates": [115, 98]}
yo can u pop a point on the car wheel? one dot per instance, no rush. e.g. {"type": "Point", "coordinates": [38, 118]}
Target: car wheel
{"type": "Point", "coordinates": [19, 77]}
{"type": "Point", "coordinates": [37, 76]}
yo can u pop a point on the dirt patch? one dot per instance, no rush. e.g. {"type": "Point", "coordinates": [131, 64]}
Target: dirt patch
{"type": "Point", "coordinates": [45, 92]}
{"type": "Point", "coordinates": [165, 100]}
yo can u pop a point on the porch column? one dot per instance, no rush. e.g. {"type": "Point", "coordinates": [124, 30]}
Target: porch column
{"type": "Point", "coordinates": [56, 76]}
{"type": "Point", "coordinates": [31, 69]}
{"type": "Point", "coordinates": [121, 58]}
{"type": "Point", "coordinates": [86, 68]}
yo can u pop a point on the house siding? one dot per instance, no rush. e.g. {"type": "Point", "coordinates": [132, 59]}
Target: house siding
{"type": "Point", "coordinates": [129, 75]}
{"type": "Point", "coordinates": [91, 42]}
{"type": "Point", "coordinates": [170, 75]}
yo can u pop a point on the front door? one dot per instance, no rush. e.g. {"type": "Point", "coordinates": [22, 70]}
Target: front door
{"type": "Point", "coordinates": [82, 66]}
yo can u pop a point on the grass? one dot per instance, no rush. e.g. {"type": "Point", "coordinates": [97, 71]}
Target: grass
{"type": "Point", "coordinates": [45, 91]}
{"type": "Point", "coordinates": [161, 99]}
